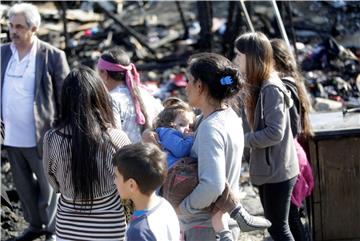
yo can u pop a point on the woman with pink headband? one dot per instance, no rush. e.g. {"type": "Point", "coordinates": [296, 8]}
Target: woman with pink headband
{"type": "Point", "coordinates": [134, 108]}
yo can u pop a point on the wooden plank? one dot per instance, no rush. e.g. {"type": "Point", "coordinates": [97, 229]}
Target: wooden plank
{"type": "Point", "coordinates": [314, 165]}
{"type": "Point", "coordinates": [339, 172]}
{"type": "Point", "coordinates": [317, 225]}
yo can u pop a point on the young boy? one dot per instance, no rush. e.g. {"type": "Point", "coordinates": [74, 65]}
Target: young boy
{"type": "Point", "coordinates": [139, 170]}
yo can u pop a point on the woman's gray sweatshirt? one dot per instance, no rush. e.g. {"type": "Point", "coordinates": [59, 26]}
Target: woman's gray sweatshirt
{"type": "Point", "coordinates": [218, 146]}
{"type": "Point", "coordinates": [273, 157]}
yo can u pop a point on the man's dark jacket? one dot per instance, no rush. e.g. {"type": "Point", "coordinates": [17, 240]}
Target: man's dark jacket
{"type": "Point", "coordinates": [51, 68]}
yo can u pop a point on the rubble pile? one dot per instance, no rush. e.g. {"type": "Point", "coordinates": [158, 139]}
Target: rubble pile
{"type": "Point", "coordinates": [332, 73]}
{"type": "Point", "coordinates": [160, 36]}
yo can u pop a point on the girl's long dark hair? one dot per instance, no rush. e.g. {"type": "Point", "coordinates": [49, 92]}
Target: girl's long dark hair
{"type": "Point", "coordinates": [286, 65]}
{"type": "Point", "coordinates": [85, 115]}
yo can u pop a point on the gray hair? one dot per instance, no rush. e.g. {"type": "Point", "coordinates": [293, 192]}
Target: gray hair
{"type": "Point", "coordinates": [32, 16]}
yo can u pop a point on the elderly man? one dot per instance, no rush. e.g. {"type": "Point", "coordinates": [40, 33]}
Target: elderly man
{"type": "Point", "coordinates": [32, 73]}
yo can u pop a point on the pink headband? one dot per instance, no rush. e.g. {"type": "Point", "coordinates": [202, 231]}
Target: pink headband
{"type": "Point", "coordinates": [132, 76]}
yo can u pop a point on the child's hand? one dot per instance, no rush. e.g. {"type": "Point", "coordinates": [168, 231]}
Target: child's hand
{"type": "Point", "coordinates": [149, 136]}
{"type": "Point", "coordinates": [188, 133]}
{"type": "Point", "coordinates": [220, 222]}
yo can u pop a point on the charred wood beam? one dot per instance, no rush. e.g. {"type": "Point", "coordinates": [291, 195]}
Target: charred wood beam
{"type": "Point", "coordinates": [351, 110]}
{"type": "Point", "coordinates": [165, 62]}
{"type": "Point", "coordinates": [226, 43]}
{"type": "Point", "coordinates": [127, 29]}
{"type": "Point", "coordinates": [163, 66]}
{"type": "Point", "coordinates": [183, 20]}
{"type": "Point", "coordinates": [292, 30]}
{"type": "Point", "coordinates": [205, 20]}
{"type": "Point", "coordinates": [234, 24]}
{"type": "Point", "coordinates": [63, 7]}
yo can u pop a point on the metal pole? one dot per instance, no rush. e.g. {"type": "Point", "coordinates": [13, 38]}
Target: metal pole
{"type": "Point", "coordinates": [280, 23]}
{"type": "Point", "coordinates": [248, 20]}
{"type": "Point", "coordinates": [63, 6]}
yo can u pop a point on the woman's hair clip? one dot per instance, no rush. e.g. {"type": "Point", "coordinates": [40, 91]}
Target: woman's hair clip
{"type": "Point", "coordinates": [227, 80]}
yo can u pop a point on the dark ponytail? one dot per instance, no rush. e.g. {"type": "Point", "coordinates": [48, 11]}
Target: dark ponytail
{"type": "Point", "coordinates": [221, 78]}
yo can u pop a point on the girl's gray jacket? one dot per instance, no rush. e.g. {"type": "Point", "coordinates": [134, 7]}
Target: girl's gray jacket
{"type": "Point", "coordinates": [273, 157]}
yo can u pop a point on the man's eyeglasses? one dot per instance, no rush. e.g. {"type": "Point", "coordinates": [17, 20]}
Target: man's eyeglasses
{"type": "Point", "coordinates": [12, 69]}
{"type": "Point", "coordinates": [18, 27]}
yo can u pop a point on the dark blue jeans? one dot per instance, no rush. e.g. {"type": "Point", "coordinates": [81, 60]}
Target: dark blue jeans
{"type": "Point", "coordinates": [275, 199]}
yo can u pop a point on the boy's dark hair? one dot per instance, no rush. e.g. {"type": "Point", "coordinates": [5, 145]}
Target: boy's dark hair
{"type": "Point", "coordinates": [145, 163]}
